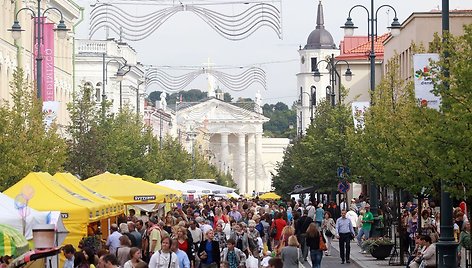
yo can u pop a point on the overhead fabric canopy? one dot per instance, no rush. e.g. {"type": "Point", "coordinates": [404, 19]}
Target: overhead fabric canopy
{"type": "Point", "coordinates": [184, 188]}
{"type": "Point", "coordinates": [214, 188]}
{"type": "Point", "coordinates": [12, 242]}
{"type": "Point", "coordinates": [270, 195]}
{"type": "Point", "coordinates": [131, 190]}
{"type": "Point", "coordinates": [23, 218]}
{"type": "Point", "coordinates": [303, 190]}
{"type": "Point", "coordinates": [44, 193]}
{"type": "Point", "coordinates": [112, 207]}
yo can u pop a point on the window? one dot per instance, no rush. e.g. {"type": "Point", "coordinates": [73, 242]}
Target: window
{"type": "Point", "coordinates": [314, 62]}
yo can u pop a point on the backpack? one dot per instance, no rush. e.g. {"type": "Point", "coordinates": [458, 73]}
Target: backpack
{"type": "Point", "coordinates": [260, 228]}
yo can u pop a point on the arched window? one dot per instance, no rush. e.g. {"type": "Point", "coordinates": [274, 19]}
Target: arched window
{"type": "Point", "coordinates": [98, 90]}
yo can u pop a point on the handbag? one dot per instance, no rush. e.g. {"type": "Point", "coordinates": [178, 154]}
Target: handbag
{"type": "Point", "coordinates": [328, 233]}
{"type": "Point", "coordinates": [323, 246]}
{"type": "Point", "coordinates": [252, 262]}
{"type": "Point", "coordinates": [273, 231]}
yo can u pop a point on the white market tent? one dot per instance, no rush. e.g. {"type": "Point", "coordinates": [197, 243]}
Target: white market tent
{"type": "Point", "coordinates": [186, 189]}
{"type": "Point", "coordinates": [214, 188]}
{"type": "Point", "coordinates": [11, 215]}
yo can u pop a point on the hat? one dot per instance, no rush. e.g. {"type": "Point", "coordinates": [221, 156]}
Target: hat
{"type": "Point", "coordinates": [153, 219]}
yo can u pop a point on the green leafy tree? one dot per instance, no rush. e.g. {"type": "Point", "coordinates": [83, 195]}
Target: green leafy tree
{"type": "Point", "coordinates": [26, 143]}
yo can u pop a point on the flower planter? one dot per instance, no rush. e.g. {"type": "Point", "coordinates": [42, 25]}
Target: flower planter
{"type": "Point", "coordinates": [380, 252]}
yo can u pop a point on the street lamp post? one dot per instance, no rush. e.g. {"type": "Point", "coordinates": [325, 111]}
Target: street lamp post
{"type": "Point", "coordinates": [334, 76]}
{"type": "Point", "coordinates": [39, 21]}
{"type": "Point", "coordinates": [120, 73]}
{"type": "Point", "coordinates": [446, 247]}
{"type": "Point", "coordinates": [349, 28]}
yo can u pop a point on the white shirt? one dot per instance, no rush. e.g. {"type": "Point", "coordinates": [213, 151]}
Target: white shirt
{"type": "Point", "coordinates": [196, 234]}
{"type": "Point", "coordinates": [311, 211]}
{"type": "Point", "coordinates": [265, 261]}
{"type": "Point", "coordinates": [161, 260]}
{"type": "Point", "coordinates": [352, 216]}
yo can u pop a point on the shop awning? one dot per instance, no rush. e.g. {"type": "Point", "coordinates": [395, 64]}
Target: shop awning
{"type": "Point", "coordinates": [111, 207]}
{"type": "Point", "coordinates": [184, 188]}
{"type": "Point", "coordinates": [12, 242]}
{"type": "Point", "coordinates": [214, 188]}
{"type": "Point", "coordinates": [270, 195]}
{"type": "Point", "coordinates": [131, 190]}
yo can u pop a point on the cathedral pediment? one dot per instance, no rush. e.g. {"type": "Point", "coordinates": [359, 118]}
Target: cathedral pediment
{"type": "Point", "coordinates": [217, 111]}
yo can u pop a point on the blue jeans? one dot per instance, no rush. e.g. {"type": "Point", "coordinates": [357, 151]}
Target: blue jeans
{"type": "Point", "coordinates": [361, 233]}
{"type": "Point", "coordinates": [316, 256]}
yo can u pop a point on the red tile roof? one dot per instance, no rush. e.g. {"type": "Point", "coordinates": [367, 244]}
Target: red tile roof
{"type": "Point", "coordinates": [359, 47]}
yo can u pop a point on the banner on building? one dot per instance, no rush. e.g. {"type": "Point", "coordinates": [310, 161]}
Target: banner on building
{"type": "Point", "coordinates": [50, 110]}
{"type": "Point", "coordinates": [47, 53]}
{"type": "Point", "coordinates": [424, 80]}
{"type": "Point", "coordinates": [358, 113]}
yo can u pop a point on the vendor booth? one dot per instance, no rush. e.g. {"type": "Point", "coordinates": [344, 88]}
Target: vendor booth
{"type": "Point", "coordinates": [270, 196]}
{"type": "Point", "coordinates": [189, 192]}
{"type": "Point", "coordinates": [79, 213]}
{"type": "Point", "coordinates": [213, 188]}
{"type": "Point", "coordinates": [131, 190]}
{"type": "Point", "coordinates": [23, 218]}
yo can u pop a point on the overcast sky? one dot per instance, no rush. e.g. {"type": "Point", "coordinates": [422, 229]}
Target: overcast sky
{"type": "Point", "coordinates": [185, 40]}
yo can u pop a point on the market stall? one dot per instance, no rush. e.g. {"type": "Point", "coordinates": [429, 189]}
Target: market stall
{"type": "Point", "coordinates": [214, 188]}
{"type": "Point", "coordinates": [42, 192]}
{"type": "Point", "coordinates": [22, 218]}
{"type": "Point", "coordinates": [131, 190]}
{"type": "Point", "coordinates": [270, 196]}
{"type": "Point", "coordinates": [189, 192]}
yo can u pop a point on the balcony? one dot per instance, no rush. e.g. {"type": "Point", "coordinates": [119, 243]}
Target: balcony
{"type": "Point", "coordinates": [111, 48]}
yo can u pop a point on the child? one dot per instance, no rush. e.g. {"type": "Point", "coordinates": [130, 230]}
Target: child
{"type": "Point", "coordinates": [232, 257]}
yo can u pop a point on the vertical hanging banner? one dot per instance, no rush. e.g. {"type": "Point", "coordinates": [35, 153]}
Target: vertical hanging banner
{"type": "Point", "coordinates": [47, 53]}
{"type": "Point", "coordinates": [424, 80]}
{"type": "Point", "coordinates": [358, 113]}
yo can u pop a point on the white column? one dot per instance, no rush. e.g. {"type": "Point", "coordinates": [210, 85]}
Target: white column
{"type": "Point", "coordinates": [251, 163]}
{"type": "Point", "coordinates": [224, 151]}
{"type": "Point", "coordinates": [260, 181]}
{"type": "Point", "coordinates": [241, 165]}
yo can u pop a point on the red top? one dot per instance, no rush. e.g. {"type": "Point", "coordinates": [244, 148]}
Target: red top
{"type": "Point", "coordinates": [183, 246]}
{"type": "Point", "coordinates": [279, 224]}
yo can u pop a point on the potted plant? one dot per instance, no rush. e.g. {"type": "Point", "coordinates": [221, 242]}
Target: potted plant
{"type": "Point", "coordinates": [379, 247]}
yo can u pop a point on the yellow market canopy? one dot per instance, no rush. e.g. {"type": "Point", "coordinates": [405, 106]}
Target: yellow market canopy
{"type": "Point", "coordinates": [131, 190]}
{"type": "Point", "coordinates": [270, 195]}
{"type": "Point", "coordinates": [47, 194]}
{"type": "Point", "coordinates": [111, 207]}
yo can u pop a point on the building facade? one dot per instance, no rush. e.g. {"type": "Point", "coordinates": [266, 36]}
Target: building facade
{"type": "Point", "coordinates": [20, 53]}
{"type": "Point", "coordinates": [97, 63]}
{"type": "Point", "coordinates": [419, 28]}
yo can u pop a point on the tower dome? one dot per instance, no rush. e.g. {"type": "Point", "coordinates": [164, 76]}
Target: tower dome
{"type": "Point", "coordinates": [320, 38]}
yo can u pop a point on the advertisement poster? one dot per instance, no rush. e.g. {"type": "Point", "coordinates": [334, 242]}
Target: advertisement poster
{"type": "Point", "coordinates": [358, 113]}
{"type": "Point", "coordinates": [51, 109]}
{"type": "Point", "coordinates": [47, 53]}
{"type": "Point", "coordinates": [424, 80]}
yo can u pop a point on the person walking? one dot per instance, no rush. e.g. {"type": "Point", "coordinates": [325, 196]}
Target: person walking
{"type": "Point", "coordinates": [345, 232]}
{"type": "Point", "coordinates": [313, 236]}
{"type": "Point", "coordinates": [364, 231]}
{"type": "Point", "coordinates": [328, 229]}
{"type": "Point", "coordinates": [209, 251]}
{"type": "Point", "coordinates": [319, 214]}
{"type": "Point", "coordinates": [290, 254]}
{"type": "Point", "coordinates": [164, 257]}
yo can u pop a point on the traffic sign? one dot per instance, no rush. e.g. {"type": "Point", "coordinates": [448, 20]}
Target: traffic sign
{"type": "Point", "coordinates": [344, 186]}
{"type": "Point", "coordinates": [343, 172]}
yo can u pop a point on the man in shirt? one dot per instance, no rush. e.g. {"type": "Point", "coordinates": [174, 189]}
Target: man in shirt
{"type": "Point", "coordinates": [235, 214]}
{"type": "Point", "coordinates": [154, 236]}
{"type": "Point", "coordinates": [345, 233]}
{"type": "Point", "coordinates": [69, 252]}
{"type": "Point", "coordinates": [364, 230]}
{"type": "Point", "coordinates": [108, 261]}
{"type": "Point", "coordinates": [196, 233]}
{"type": "Point", "coordinates": [113, 240]}
{"type": "Point", "coordinates": [184, 261]}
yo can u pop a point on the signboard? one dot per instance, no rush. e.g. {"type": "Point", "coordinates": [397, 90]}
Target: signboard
{"type": "Point", "coordinates": [47, 52]}
{"type": "Point", "coordinates": [65, 215]}
{"type": "Point", "coordinates": [424, 80]}
{"type": "Point", "coordinates": [343, 172]}
{"type": "Point", "coordinates": [344, 186]}
{"type": "Point", "coordinates": [358, 113]}
{"type": "Point", "coordinates": [144, 197]}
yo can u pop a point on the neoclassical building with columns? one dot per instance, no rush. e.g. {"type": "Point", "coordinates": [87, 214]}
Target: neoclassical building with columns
{"type": "Point", "coordinates": [230, 136]}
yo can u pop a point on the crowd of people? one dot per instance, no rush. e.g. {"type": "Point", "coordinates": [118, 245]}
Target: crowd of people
{"type": "Point", "coordinates": [254, 233]}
